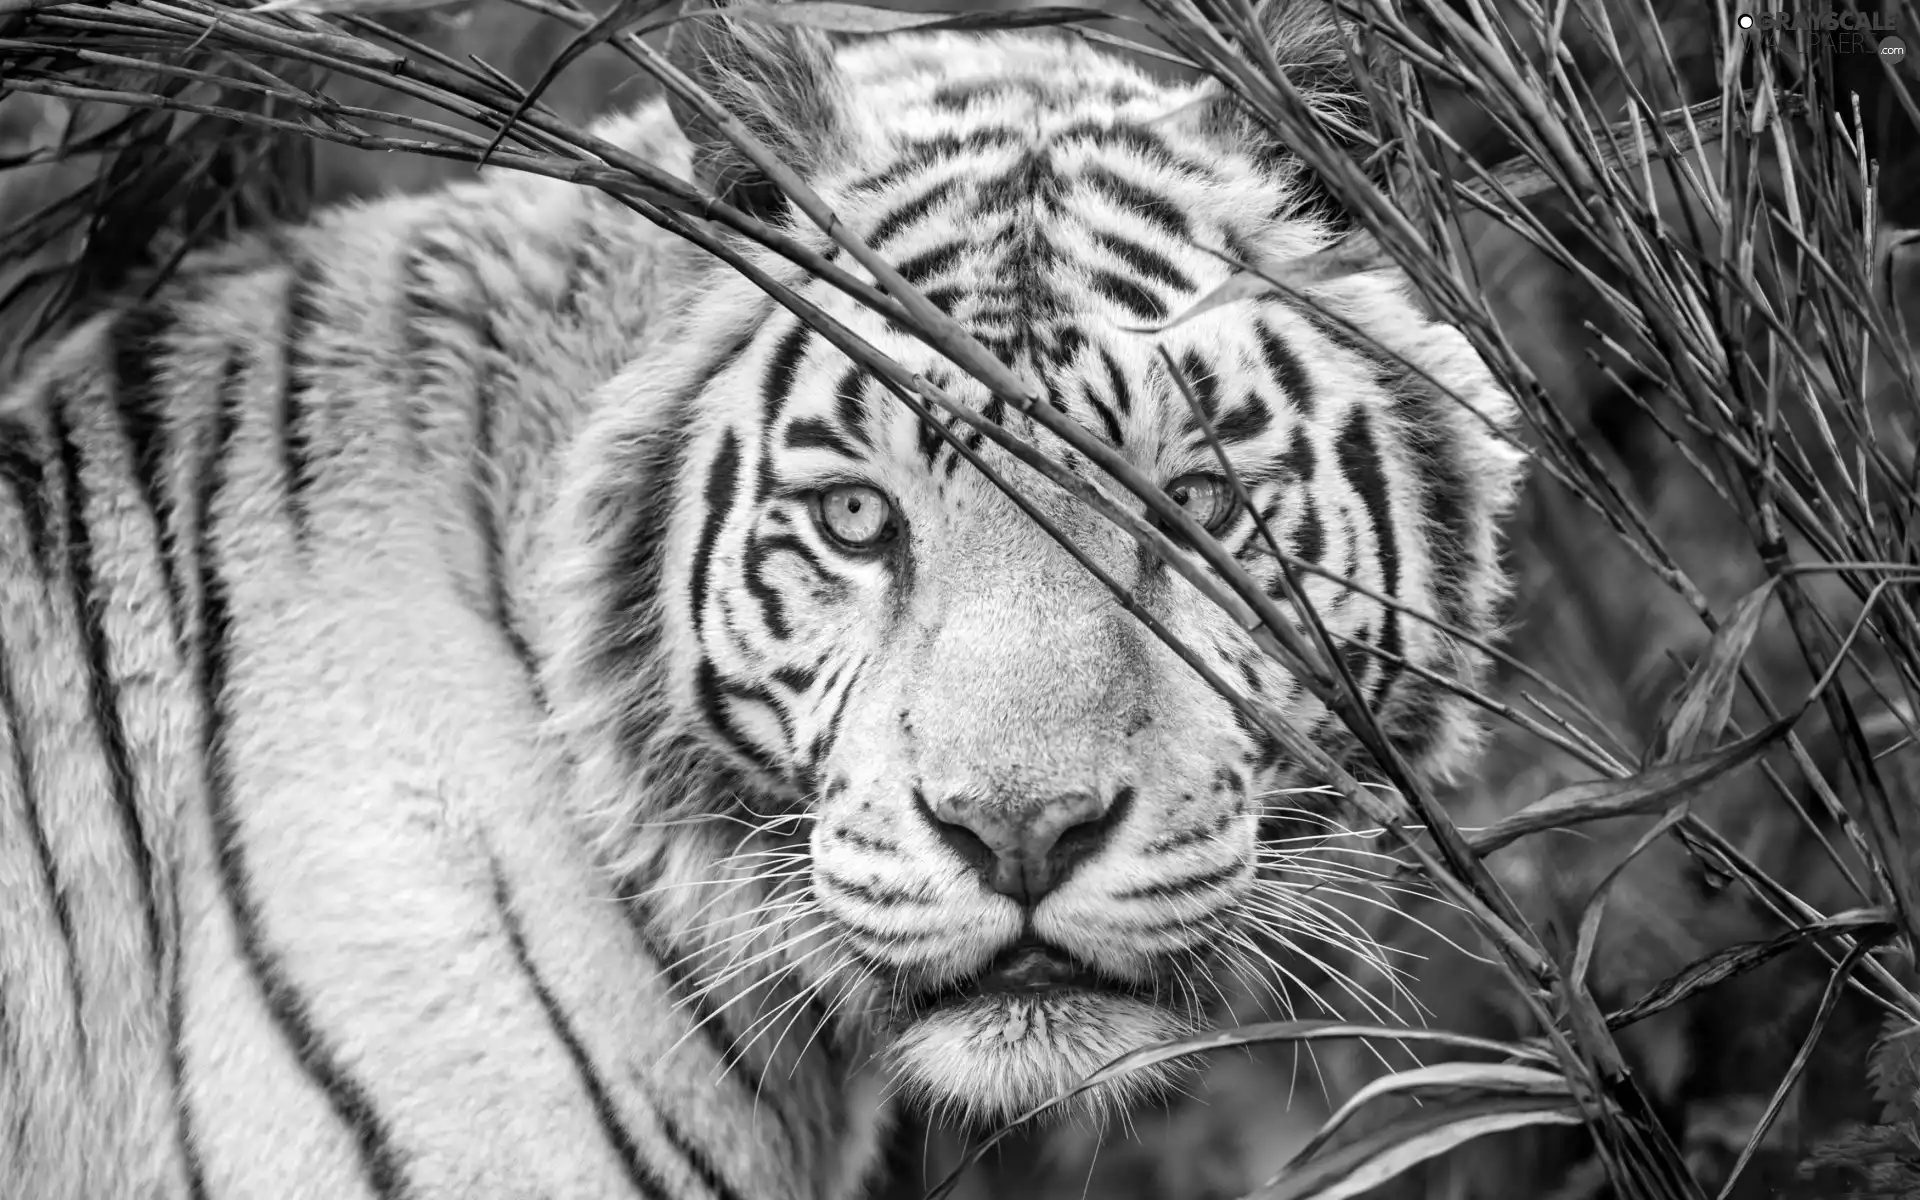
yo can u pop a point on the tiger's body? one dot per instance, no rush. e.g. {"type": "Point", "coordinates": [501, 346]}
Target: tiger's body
{"type": "Point", "coordinates": [461, 734]}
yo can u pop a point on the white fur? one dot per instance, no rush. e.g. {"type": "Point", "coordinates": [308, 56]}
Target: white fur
{"type": "Point", "coordinates": [481, 871]}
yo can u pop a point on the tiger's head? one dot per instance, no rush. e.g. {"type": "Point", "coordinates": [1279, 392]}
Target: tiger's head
{"type": "Point", "coordinates": [870, 740]}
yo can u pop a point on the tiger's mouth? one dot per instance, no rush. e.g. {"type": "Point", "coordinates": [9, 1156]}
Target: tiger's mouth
{"type": "Point", "coordinates": [1027, 1027]}
{"type": "Point", "coordinates": [1026, 969]}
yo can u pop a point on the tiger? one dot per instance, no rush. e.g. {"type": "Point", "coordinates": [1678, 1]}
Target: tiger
{"type": "Point", "coordinates": [494, 705]}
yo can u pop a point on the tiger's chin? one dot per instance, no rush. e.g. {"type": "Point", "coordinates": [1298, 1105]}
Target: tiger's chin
{"type": "Point", "coordinates": [1000, 1044]}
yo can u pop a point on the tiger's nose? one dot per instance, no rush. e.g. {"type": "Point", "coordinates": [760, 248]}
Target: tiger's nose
{"type": "Point", "coordinates": [1025, 850]}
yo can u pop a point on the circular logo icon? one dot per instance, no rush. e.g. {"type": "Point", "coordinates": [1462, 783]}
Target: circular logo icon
{"type": "Point", "coordinates": [1893, 51]}
{"type": "Point", "coordinates": [1746, 21]}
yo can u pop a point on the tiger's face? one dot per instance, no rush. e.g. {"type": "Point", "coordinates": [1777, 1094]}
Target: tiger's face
{"type": "Point", "coordinates": [992, 822]}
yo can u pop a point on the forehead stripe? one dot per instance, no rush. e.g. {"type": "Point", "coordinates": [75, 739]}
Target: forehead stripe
{"type": "Point", "coordinates": [1128, 294]}
{"type": "Point", "coordinates": [893, 223]}
{"type": "Point", "coordinates": [1143, 260]}
{"type": "Point", "coordinates": [850, 406]}
{"type": "Point", "coordinates": [816, 433]}
{"type": "Point", "coordinates": [1139, 200]}
{"type": "Point", "coordinates": [927, 264]}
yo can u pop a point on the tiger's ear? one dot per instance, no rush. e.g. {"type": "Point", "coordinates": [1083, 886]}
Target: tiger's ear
{"type": "Point", "coordinates": [1310, 45]}
{"type": "Point", "coordinates": [780, 81]}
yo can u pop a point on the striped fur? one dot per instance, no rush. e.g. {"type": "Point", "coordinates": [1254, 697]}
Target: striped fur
{"type": "Point", "coordinates": [443, 754]}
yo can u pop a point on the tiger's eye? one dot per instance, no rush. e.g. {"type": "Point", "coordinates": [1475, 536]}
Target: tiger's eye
{"type": "Point", "coordinates": [856, 515]}
{"type": "Point", "coordinates": [1206, 498]}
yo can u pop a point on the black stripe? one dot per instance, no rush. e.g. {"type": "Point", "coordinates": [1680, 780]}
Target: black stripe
{"type": "Point", "coordinates": [850, 406]}
{"type": "Point", "coordinates": [426, 301]}
{"type": "Point", "coordinates": [928, 263]}
{"type": "Point", "coordinates": [697, 1160]}
{"type": "Point", "coordinates": [641, 1175]}
{"type": "Point", "coordinates": [1249, 421]}
{"type": "Point", "coordinates": [177, 1064]}
{"type": "Point", "coordinates": [1143, 141]}
{"type": "Point", "coordinates": [1143, 260]}
{"type": "Point", "coordinates": [584, 275]}
{"type": "Point", "coordinates": [1175, 888]}
{"type": "Point", "coordinates": [1309, 535]}
{"type": "Point", "coordinates": [713, 691]}
{"type": "Point", "coordinates": [1128, 295]}
{"type": "Point", "coordinates": [1285, 367]}
{"type": "Point", "coordinates": [772, 605]}
{"type": "Point", "coordinates": [1268, 752]}
{"type": "Point", "coordinates": [941, 148]}
{"type": "Point", "coordinates": [1298, 457]}
{"type": "Point", "coordinates": [1033, 180]}
{"type": "Point", "coordinates": [955, 97]}
{"type": "Point", "coordinates": [379, 1159]}
{"type": "Point", "coordinates": [823, 738]}
{"type": "Point", "coordinates": [1205, 383]}
{"type": "Point", "coordinates": [722, 489]}
{"type": "Point", "coordinates": [1141, 201]}
{"type": "Point", "coordinates": [1427, 436]}
{"type": "Point", "coordinates": [1109, 420]}
{"type": "Point", "coordinates": [782, 373]}
{"type": "Point", "coordinates": [1357, 657]}
{"type": "Point", "coordinates": [56, 888]}
{"type": "Point", "coordinates": [890, 225]}
{"type": "Point", "coordinates": [137, 339]}
{"type": "Point", "coordinates": [1206, 392]}
{"type": "Point", "coordinates": [796, 677]}
{"type": "Point", "coordinates": [1359, 456]}
{"type": "Point", "coordinates": [481, 486]}
{"type": "Point", "coordinates": [946, 297]}
{"type": "Point", "coordinates": [929, 440]}
{"type": "Point", "coordinates": [815, 433]}
{"type": "Point", "coordinates": [1249, 677]}
{"type": "Point", "coordinates": [296, 419]}
{"type": "Point", "coordinates": [1066, 344]}
{"type": "Point", "coordinates": [835, 587]}
{"type": "Point", "coordinates": [708, 1022]}
{"type": "Point", "coordinates": [21, 472]}
{"type": "Point", "coordinates": [103, 696]}
{"type": "Point", "coordinates": [1239, 249]}
{"type": "Point", "coordinates": [1446, 495]}
{"type": "Point", "coordinates": [877, 894]}
{"type": "Point", "coordinates": [1117, 383]}
{"type": "Point", "coordinates": [12, 1064]}
{"type": "Point", "coordinates": [782, 369]}
{"type": "Point", "coordinates": [626, 623]}
{"type": "Point", "coordinates": [24, 477]}
{"type": "Point", "coordinates": [823, 741]}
